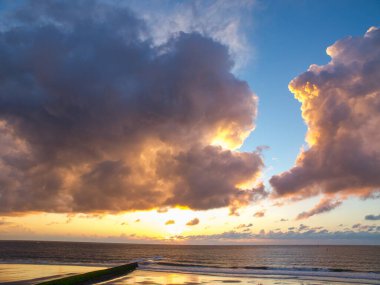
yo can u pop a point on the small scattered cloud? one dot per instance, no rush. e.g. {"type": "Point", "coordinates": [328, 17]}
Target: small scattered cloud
{"type": "Point", "coordinates": [137, 220]}
{"type": "Point", "coordinates": [230, 235]}
{"type": "Point", "coordinates": [372, 217]}
{"type": "Point", "coordinates": [303, 232]}
{"type": "Point", "coordinates": [259, 214]}
{"type": "Point", "coordinates": [325, 205]}
{"type": "Point", "coordinates": [303, 227]}
{"type": "Point", "coordinates": [193, 222]}
{"type": "Point", "coordinates": [242, 226]}
{"type": "Point", "coordinates": [369, 228]}
{"type": "Point", "coordinates": [169, 222]}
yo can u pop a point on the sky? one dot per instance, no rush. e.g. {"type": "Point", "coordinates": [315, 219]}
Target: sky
{"type": "Point", "coordinates": [190, 122]}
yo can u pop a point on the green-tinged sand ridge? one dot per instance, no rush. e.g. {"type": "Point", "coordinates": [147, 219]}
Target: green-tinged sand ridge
{"type": "Point", "coordinates": [94, 276]}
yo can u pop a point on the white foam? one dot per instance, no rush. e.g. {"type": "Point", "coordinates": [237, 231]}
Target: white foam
{"type": "Point", "coordinates": [347, 277]}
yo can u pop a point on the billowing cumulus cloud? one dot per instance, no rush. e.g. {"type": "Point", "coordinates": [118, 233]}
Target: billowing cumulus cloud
{"type": "Point", "coordinates": [341, 107]}
{"type": "Point", "coordinates": [324, 206]}
{"type": "Point", "coordinates": [193, 222]}
{"type": "Point", "coordinates": [95, 118]}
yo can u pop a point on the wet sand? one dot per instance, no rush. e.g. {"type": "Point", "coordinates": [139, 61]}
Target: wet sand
{"type": "Point", "coordinates": [17, 274]}
{"type": "Point", "coordinates": [34, 273]}
{"type": "Point", "coordinates": [142, 277]}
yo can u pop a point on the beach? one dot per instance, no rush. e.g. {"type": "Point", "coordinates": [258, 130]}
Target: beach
{"type": "Point", "coordinates": [18, 274]}
{"type": "Point", "coordinates": [34, 273]}
{"type": "Point", "coordinates": [169, 278]}
{"type": "Point", "coordinates": [30, 262]}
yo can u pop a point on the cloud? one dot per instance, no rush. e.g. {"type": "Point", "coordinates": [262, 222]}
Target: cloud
{"type": "Point", "coordinates": [4, 222]}
{"type": "Point", "coordinates": [303, 227]}
{"type": "Point", "coordinates": [220, 19]}
{"type": "Point", "coordinates": [259, 214]}
{"type": "Point", "coordinates": [137, 221]}
{"type": "Point", "coordinates": [242, 226]}
{"type": "Point", "coordinates": [170, 222]}
{"type": "Point", "coordinates": [283, 220]}
{"type": "Point", "coordinates": [316, 235]}
{"type": "Point", "coordinates": [356, 226]}
{"type": "Point", "coordinates": [368, 228]}
{"type": "Point", "coordinates": [230, 235]}
{"type": "Point", "coordinates": [324, 206]}
{"type": "Point", "coordinates": [193, 222]}
{"type": "Point", "coordinates": [94, 118]}
{"type": "Point", "coordinates": [341, 107]}
{"type": "Point", "coordinates": [372, 217]}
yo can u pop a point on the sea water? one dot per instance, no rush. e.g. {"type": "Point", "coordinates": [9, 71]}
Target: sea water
{"type": "Point", "coordinates": [351, 262]}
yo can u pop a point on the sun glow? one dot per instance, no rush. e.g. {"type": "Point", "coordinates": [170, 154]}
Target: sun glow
{"type": "Point", "coordinates": [230, 137]}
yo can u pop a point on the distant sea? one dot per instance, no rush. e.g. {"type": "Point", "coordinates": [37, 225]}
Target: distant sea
{"type": "Point", "coordinates": [332, 261]}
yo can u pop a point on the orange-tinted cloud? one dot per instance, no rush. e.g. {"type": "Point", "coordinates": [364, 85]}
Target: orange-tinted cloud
{"type": "Point", "coordinates": [324, 206]}
{"type": "Point", "coordinates": [193, 222]}
{"type": "Point", "coordinates": [94, 118]}
{"type": "Point", "coordinates": [341, 107]}
{"type": "Point", "coordinates": [259, 214]}
{"type": "Point", "coordinates": [170, 222]}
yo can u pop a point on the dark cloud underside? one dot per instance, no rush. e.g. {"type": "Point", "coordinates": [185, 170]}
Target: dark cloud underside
{"type": "Point", "coordinates": [94, 117]}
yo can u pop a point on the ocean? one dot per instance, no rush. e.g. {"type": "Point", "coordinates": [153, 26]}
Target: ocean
{"type": "Point", "coordinates": [360, 262]}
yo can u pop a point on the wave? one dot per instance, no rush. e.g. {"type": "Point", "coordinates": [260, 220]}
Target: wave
{"type": "Point", "coordinates": [265, 271]}
{"type": "Point", "coordinates": [158, 263]}
{"type": "Point", "coordinates": [312, 269]}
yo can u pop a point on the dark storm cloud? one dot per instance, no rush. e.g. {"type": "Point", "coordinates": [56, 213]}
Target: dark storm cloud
{"type": "Point", "coordinates": [341, 107]}
{"type": "Point", "coordinates": [372, 217]}
{"type": "Point", "coordinates": [94, 118]}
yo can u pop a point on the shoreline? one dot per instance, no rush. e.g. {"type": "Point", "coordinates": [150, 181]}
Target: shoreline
{"type": "Point", "coordinates": [31, 273]}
